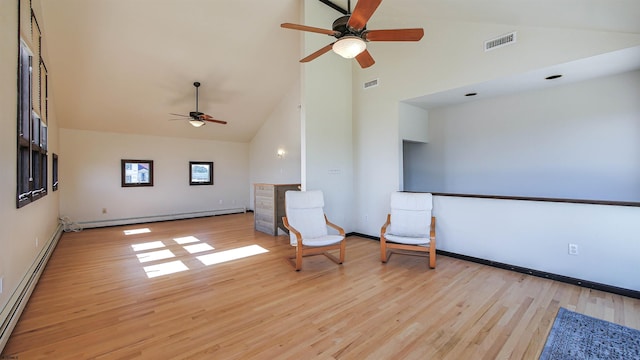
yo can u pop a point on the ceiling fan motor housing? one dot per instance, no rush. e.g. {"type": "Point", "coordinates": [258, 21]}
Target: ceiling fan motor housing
{"type": "Point", "coordinates": [340, 25]}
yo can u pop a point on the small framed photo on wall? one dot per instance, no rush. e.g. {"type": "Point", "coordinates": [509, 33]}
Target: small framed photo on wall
{"type": "Point", "coordinates": [200, 173]}
{"type": "Point", "coordinates": [137, 173]}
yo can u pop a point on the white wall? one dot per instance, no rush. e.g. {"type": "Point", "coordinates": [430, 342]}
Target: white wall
{"type": "Point", "coordinates": [413, 123]}
{"type": "Point", "coordinates": [413, 131]}
{"type": "Point", "coordinates": [90, 176]}
{"type": "Point", "coordinates": [536, 235]}
{"type": "Point", "coordinates": [577, 141]}
{"type": "Point", "coordinates": [19, 228]}
{"type": "Point", "coordinates": [327, 161]}
{"type": "Point", "coordinates": [449, 56]}
{"type": "Point", "coordinates": [416, 167]}
{"type": "Point", "coordinates": [280, 131]}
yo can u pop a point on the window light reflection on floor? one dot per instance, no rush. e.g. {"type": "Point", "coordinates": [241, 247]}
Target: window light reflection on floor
{"type": "Point", "coordinates": [233, 254]}
{"type": "Point", "coordinates": [137, 231]}
{"type": "Point", "coordinates": [155, 255]}
{"type": "Point", "coordinates": [186, 240]}
{"type": "Point", "coordinates": [147, 246]}
{"type": "Point", "coordinates": [165, 268]}
{"type": "Point", "coordinates": [192, 249]}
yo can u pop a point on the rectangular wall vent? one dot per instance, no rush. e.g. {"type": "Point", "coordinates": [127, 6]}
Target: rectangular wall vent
{"type": "Point", "coordinates": [370, 83]}
{"type": "Point", "coordinates": [501, 41]}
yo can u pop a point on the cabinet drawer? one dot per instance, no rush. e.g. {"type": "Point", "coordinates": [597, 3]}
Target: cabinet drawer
{"type": "Point", "coordinates": [265, 227]}
{"type": "Point", "coordinates": [264, 216]}
{"type": "Point", "coordinates": [263, 204]}
{"type": "Point", "coordinates": [269, 206]}
{"type": "Point", "coordinates": [264, 186]}
{"type": "Point", "coordinates": [264, 190]}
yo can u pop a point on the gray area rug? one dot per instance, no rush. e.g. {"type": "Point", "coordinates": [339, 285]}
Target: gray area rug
{"type": "Point", "coordinates": [577, 336]}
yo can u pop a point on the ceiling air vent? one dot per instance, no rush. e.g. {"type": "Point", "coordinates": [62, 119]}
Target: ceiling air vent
{"type": "Point", "coordinates": [370, 83]}
{"type": "Point", "coordinates": [500, 41]}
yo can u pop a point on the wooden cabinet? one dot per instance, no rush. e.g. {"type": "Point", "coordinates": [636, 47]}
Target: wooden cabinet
{"type": "Point", "coordinates": [269, 206]}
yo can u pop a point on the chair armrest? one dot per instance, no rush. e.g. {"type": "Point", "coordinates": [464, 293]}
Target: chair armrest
{"type": "Point", "coordinates": [383, 230]}
{"type": "Point", "coordinates": [432, 232]}
{"type": "Point", "coordinates": [285, 222]}
{"type": "Point", "coordinates": [330, 224]}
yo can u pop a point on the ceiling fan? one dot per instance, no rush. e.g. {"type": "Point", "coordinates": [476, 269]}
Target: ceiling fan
{"type": "Point", "coordinates": [352, 35]}
{"type": "Point", "coordinates": [196, 118]}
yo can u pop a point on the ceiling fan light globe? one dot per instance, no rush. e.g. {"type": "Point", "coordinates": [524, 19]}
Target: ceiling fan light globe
{"type": "Point", "coordinates": [196, 123]}
{"type": "Point", "coordinates": [349, 47]}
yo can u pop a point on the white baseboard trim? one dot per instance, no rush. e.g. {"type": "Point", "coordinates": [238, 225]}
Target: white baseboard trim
{"type": "Point", "coordinates": [18, 300]}
{"type": "Point", "coordinates": [154, 218]}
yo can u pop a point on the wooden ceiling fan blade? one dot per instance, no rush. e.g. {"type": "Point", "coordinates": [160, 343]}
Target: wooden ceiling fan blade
{"type": "Point", "coordinates": [206, 117]}
{"type": "Point", "coordinates": [317, 53]}
{"type": "Point", "coordinates": [365, 59]}
{"type": "Point", "coordinates": [361, 13]}
{"type": "Point", "coordinates": [394, 35]}
{"type": "Point", "coordinates": [216, 121]}
{"type": "Point", "coordinates": [308, 28]}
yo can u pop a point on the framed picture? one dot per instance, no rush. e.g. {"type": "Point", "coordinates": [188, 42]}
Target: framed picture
{"type": "Point", "coordinates": [137, 173]}
{"type": "Point", "coordinates": [200, 173]}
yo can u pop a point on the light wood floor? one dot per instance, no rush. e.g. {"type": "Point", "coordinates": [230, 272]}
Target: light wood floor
{"type": "Point", "coordinates": [95, 301]}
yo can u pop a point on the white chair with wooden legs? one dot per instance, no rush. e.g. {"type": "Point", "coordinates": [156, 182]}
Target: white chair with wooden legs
{"type": "Point", "coordinates": [409, 227]}
{"type": "Point", "coordinates": [308, 227]}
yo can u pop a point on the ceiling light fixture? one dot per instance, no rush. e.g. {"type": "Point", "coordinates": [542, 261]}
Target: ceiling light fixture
{"type": "Point", "coordinates": [196, 123]}
{"type": "Point", "coordinates": [349, 46]}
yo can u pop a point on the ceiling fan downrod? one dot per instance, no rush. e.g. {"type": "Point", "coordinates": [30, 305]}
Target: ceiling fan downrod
{"type": "Point", "coordinates": [197, 85]}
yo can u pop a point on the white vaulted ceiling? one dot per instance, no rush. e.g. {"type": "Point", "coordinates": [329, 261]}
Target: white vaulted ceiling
{"type": "Point", "coordinates": [124, 65]}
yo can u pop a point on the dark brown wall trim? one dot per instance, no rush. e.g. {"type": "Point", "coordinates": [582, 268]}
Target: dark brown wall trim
{"type": "Point", "coordinates": [574, 201]}
{"type": "Point", "coordinates": [565, 279]}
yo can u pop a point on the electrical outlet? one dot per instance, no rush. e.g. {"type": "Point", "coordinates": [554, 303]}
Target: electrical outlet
{"type": "Point", "coordinates": [573, 249]}
{"type": "Point", "coordinates": [220, 202]}
{"type": "Point", "coordinates": [1, 284]}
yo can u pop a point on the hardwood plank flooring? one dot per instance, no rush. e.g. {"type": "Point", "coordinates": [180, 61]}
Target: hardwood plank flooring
{"type": "Point", "coordinates": [99, 299]}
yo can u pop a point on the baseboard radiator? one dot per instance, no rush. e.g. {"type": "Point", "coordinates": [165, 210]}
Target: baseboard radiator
{"type": "Point", "coordinates": [18, 300]}
{"type": "Point", "coordinates": [165, 217]}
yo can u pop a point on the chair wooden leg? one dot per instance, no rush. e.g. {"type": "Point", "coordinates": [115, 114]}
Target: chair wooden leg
{"type": "Point", "coordinates": [432, 255]}
{"type": "Point", "coordinates": [332, 258]}
{"type": "Point", "coordinates": [383, 251]}
{"type": "Point", "coordinates": [343, 246]}
{"type": "Point", "coordinates": [298, 258]}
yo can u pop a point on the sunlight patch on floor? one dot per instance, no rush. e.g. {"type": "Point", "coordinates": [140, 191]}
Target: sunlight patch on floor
{"type": "Point", "coordinates": [192, 245]}
{"type": "Point", "coordinates": [233, 254]}
{"type": "Point", "coordinates": [147, 246]}
{"type": "Point", "coordinates": [155, 255]}
{"type": "Point", "coordinates": [198, 248]}
{"type": "Point", "coordinates": [165, 268]}
{"type": "Point", "coordinates": [186, 240]}
{"type": "Point", "coordinates": [137, 231]}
